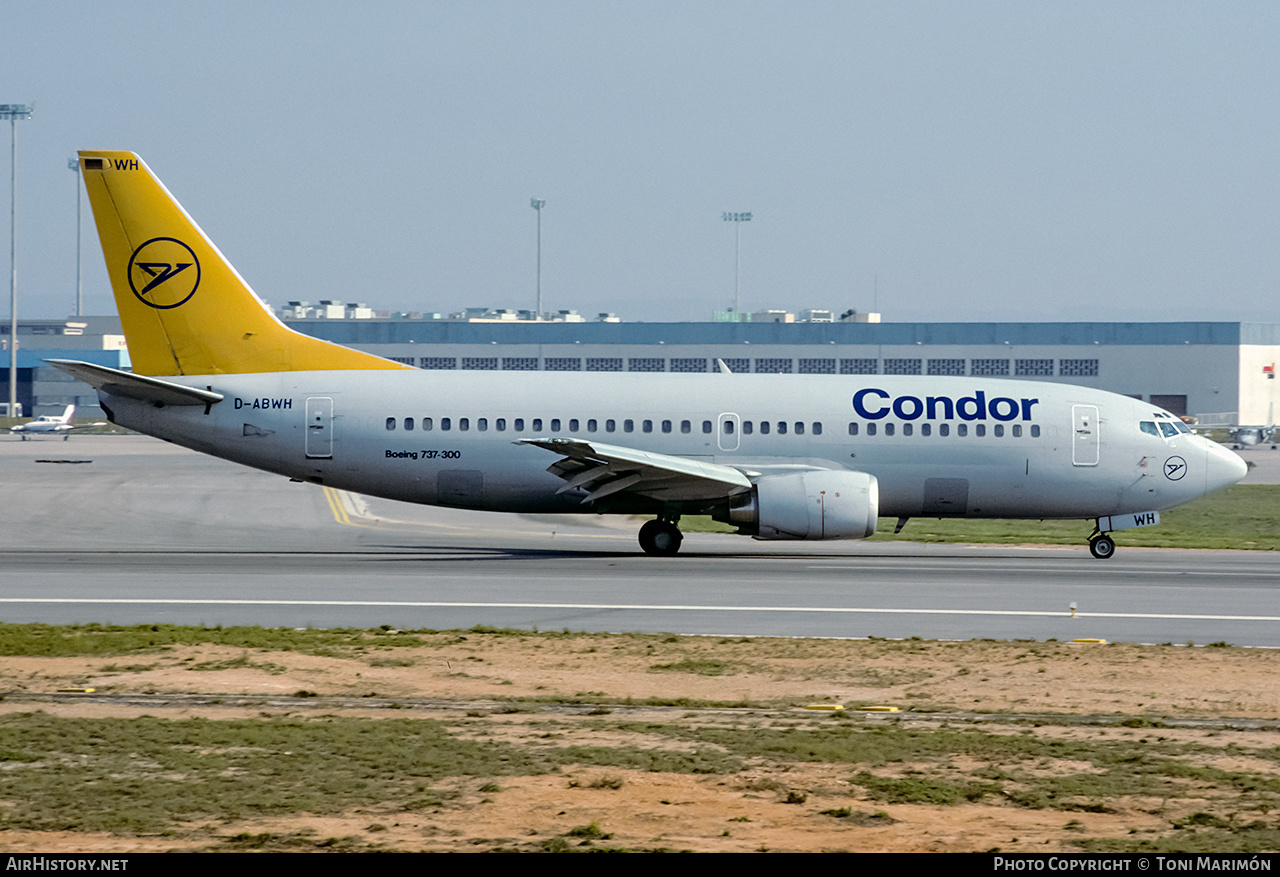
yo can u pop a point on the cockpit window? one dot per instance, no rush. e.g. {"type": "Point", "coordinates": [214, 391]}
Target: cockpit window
{"type": "Point", "coordinates": [1168, 429]}
{"type": "Point", "coordinates": [1182, 427]}
{"type": "Point", "coordinates": [1149, 427]}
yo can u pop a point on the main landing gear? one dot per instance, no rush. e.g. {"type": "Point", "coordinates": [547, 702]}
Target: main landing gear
{"type": "Point", "coordinates": [661, 537]}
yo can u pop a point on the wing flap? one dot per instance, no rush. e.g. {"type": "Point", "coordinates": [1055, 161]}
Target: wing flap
{"type": "Point", "coordinates": [602, 470]}
{"type": "Point", "coordinates": [131, 386]}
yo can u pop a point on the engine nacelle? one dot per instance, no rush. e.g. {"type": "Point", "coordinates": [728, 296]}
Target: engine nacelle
{"type": "Point", "coordinates": [816, 504]}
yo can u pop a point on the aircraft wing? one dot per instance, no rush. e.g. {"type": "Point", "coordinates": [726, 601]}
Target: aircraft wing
{"type": "Point", "coordinates": [602, 470]}
{"type": "Point", "coordinates": [132, 386]}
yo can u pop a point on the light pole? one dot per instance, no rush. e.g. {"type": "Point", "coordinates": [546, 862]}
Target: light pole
{"type": "Point", "coordinates": [737, 219]}
{"type": "Point", "coordinates": [537, 204]}
{"type": "Point", "coordinates": [13, 112]}
{"type": "Point", "coordinates": [73, 164]}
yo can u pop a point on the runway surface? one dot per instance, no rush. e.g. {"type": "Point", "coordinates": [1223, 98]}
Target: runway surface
{"type": "Point", "coordinates": [131, 530]}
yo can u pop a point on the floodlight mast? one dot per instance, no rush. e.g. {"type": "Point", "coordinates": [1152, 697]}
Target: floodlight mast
{"type": "Point", "coordinates": [537, 204]}
{"type": "Point", "coordinates": [737, 219]}
{"type": "Point", "coordinates": [73, 165]}
{"type": "Point", "coordinates": [13, 112]}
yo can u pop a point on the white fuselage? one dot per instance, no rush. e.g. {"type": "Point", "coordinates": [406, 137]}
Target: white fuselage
{"type": "Point", "coordinates": [46, 425]}
{"type": "Point", "coordinates": [939, 446]}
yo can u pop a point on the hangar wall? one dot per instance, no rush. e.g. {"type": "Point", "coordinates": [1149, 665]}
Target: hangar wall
{"type": "Point", "coordinates": [1197, 368]}
{"type": "Point", "coordinates": [1189, 368]}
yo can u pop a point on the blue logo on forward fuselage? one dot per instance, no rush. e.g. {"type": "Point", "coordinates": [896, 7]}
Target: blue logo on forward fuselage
{"type": "Point", "coordinates": [875, 404]}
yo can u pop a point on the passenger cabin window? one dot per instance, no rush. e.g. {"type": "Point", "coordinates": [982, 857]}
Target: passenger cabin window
{"type": "Point", "coordinates": [666, 426]}
{"type": "Point", "coordinates": [537, 424]}
{"type": "Point", "coordinates": [728, 427]}
{"type": "Point", "coordinates": [686, 427]}
{"type": "Point", "coordinates": [555, 424]}
{"type": "Point", "coordinates": [799, 427]}
{"type": "Point", "coordinates": [391, 423]}
{"type": "Point", "coordinates": [408, 424]}
{"type": "Point", "coordinates": [464, 423]}
{"type": "Point", "coordinates": [628, 426]}
{"type": "Point", "coordinates": [500, 424]}
{"type": "Point", "coordinates": [888, 429]}
{"type": "Point", "coordinates": [591, 426]}
{"type": "Point", "coordinates": [647, 426]}
{"type": "Point", "coordinates": [1035, 430]}
{"type": "Point", "coordinates": [573, 424]}
{"type": "Point", "coordinates": [926, 429]}
{"type": "Point", "coordinates": [999, 430]}
{"type": "Point", "coordinates": [746, 427]}
{"type": "Point", "coordinates": [706, 426]}
{"type": "Point", "coordinates": [782, 427]}
{"type": "Point", "coordinates": [426, 424]}
{"type": "Point", "coordinates": [482, 424]}
{"type": "Point", "coordinates": [1017, 430]}
{"type": "Point", "coordinates": [907, 429]}
{"type": "Point", "coordinates": [764, 427]}
{"type": "Point", "coordinates": [853, 429]}
{"type": "Point", "coordinates": [518, 424]}
{"type": "Point", "coordinates": [962, 429]}
{"type": "Point", "coordinates": [817, 428]}
{"type": "Point", "coordinates": [871, 429]}
{"type": "Point", "coordinates": [944, 429]}
{"type": "Point", "coordinates": [446, 424]}
{"type": "Point", "coordinates": [980, 430]}
{"type": "Point", "coordinates": [609, 426]}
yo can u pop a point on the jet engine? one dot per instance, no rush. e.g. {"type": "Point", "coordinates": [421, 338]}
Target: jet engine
{"type": "Point", "coordinates": [816, 504]}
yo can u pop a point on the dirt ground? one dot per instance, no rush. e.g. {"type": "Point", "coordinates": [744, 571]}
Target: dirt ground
{"type": "Point", "coordinates": [1060, 689]}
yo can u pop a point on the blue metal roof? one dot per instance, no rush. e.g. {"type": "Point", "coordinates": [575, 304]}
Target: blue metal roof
{"type": "Point", "coordinates": [37, 357]}
{"type": "Point", "coordinates": [359, 332]}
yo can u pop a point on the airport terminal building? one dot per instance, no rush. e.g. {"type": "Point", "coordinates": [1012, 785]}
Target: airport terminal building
{"type": "Point", "coordinates": [1219, 372]}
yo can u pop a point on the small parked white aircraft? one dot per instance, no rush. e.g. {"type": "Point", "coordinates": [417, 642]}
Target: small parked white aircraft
{"type": "Point", "coordinates": [1257, 435]}
{"type": "Point", "coordinates": [52, 424]}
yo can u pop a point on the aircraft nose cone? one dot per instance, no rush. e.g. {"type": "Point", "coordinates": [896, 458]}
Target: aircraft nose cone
{"type": "Point", "coordinates": [1223, 468]}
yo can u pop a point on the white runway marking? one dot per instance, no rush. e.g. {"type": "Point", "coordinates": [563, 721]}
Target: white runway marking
{"type": "Point", "coordinates": [970, 568]}
{"type": "Point", "coordinates": [844, 610]}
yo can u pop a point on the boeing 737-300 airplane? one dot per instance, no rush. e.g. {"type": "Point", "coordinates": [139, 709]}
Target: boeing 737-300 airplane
{"type": "Point", "coordinates": [779, 456]}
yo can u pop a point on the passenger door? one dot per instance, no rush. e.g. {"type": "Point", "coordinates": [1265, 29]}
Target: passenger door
{"type": "Point", "coordinates": [319, 439]}
{"type": "Point", "coordinates": [1085, 435]}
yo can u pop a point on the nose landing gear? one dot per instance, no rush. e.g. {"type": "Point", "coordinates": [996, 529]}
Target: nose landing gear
{"type": "Point", "coordinates": [661, 537]}
{"type": "Point", "coordinates": [1102, 546]}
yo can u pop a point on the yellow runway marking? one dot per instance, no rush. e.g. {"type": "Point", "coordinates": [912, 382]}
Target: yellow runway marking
{"type": "Point", "coordinates": [335, 506]}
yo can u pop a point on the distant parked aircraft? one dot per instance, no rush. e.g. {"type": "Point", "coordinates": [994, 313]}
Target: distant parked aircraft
{"type": "Point", "coordinates": [51, 424]}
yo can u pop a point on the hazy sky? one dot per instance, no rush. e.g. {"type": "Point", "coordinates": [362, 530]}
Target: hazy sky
{"type": "Point", "coordinates": [970, 160]}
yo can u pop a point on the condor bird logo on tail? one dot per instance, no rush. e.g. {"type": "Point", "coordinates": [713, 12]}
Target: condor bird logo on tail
{"type": "Point", "coordinates": [158, 262]}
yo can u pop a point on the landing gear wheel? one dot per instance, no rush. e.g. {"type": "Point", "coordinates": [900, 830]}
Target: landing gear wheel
{"type": "Point", "coordinates": [646, 536]}
{"type": "Point", "coordinates": [1102, 547]}
{"type": "Point", "coordinates": [660, 537]}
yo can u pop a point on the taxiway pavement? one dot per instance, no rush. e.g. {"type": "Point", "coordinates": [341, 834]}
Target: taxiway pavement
{"type": "Point", "coordinates": [132, 530]}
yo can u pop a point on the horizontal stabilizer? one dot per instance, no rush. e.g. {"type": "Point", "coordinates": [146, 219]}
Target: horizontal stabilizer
{"type": "Point", "coordinates": [131, 386]}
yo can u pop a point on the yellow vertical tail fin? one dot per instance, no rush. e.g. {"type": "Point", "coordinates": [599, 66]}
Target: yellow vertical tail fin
{"type": "Point", "coordinates": [185, 310]}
